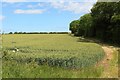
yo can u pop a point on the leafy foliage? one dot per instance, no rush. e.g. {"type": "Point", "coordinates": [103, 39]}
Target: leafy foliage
{"type": "Point", "coordinates": [85, 28]}
{"type": "Point", "coordinates": [106, 20]}
{"type": "Point", "coordinates": [103, 22]}
{"type": "Point", "coordinates": [74, 26]}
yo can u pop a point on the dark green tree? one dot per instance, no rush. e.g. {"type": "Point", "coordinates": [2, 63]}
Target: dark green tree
{"type": "Point", "coordinates": [74, 26]}
{"type": "Point", "coordinates": [10, 33]}
{"type": "Point", "coordinates": [85, 25]}
{"type": "Point", "coordinates": [103, 22]}
{"type": "Point", "coordinates": [15, 32]}
{"type": "Point", "coordinates": [106, 20]}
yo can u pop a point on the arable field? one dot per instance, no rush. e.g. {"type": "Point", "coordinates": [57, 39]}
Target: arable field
{"type": "Point", "coordinates": [50, 56]}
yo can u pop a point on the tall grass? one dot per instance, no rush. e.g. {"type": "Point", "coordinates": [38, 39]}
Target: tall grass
{"type": "Point", "coordinates": [51, 51]}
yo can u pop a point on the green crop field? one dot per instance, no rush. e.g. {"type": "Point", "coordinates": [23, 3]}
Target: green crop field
{"type": "Point", "coordinates": [49, 55]}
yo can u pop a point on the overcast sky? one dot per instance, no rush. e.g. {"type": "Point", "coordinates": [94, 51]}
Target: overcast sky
{"type": "Point", "coordinates": [21, 15]}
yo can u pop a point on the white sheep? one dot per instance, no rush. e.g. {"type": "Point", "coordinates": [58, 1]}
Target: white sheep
{"type": "Point", "coordinates": [16, 49]}
{"type": "Point", "coordinates": [13, 51]}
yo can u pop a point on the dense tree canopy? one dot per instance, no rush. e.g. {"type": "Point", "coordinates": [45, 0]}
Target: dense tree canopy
{"type": "Point", "coordinates": [74, 26]}
{"type": "Point", "coordinates": [85, 25]}
{"type": "Point", "coordinates": [103, 22]}
{"type": "Point", "coordinates": [106, 20]}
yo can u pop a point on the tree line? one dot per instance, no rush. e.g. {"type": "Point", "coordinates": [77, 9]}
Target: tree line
{"type": "Point", "coordinates": [38, 32]}
{"type": "Point", "coordinates": [103, 22]}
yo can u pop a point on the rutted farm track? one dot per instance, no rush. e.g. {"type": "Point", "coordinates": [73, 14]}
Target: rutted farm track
{"type": "Point", "coordinates": [109, 56]}
{"type": "Point", "coordinates": [110, 60]}
{"type": "Point", "coordinates": [106, 62]}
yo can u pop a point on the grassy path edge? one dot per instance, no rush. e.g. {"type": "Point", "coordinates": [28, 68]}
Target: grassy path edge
{"type": "Point", "coordinates": [110, 62]}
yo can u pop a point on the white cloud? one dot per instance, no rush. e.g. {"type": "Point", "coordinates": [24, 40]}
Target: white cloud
{"type": "Point", "coordinates": [40, 4]}
{"type": "Point", "coordinates": [35, 6]}
{"type": "Point", "coordinates": [30, 6]}
{"type": "Point", "coordinates": [12, 1]}
{"type": "Point", "coordinates": [1, 17]}
{"type": "Point", "coordinates": [76, 7]}
{"type": "Point", "coordinates": [31, 11]}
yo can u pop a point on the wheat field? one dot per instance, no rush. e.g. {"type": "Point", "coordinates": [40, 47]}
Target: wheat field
{"type": "Point", "coordinates": [56, 53]}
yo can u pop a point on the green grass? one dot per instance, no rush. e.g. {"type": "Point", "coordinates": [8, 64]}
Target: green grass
{"type": "Point", "coordinates": [114, 65]}
{"type": "Point", "coordinates": [112, 69]}
{"type": "Point", "coordinates": [32, 70]}
{"type": "Point", "coordinates": [50, 55]}
{"type": "Point", "coordinates": [0, 57]}
{"type": "Point", "coordinates": [119, 62]}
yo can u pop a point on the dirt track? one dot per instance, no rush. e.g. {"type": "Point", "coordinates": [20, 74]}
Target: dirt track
{"type": "Point", "coordinates": [108, 56]}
